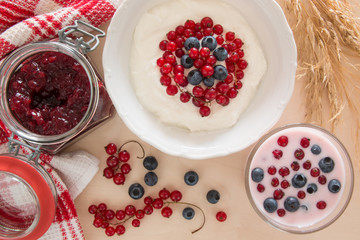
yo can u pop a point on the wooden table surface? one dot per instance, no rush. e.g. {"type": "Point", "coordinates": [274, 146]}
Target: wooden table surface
{"type": "Point", "coordinates": [226, 174]}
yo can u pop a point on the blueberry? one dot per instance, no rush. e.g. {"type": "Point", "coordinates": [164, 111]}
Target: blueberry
{"type": "Point", "coordinates": [299, 180]}
{"type": "Point", "coordinates": [334, 186]}
{"type": "Point", "coordinates": [316, 149]}
{"type": "Point", "coordinates": [326, 164]}
{"type": "Point", "coordinates": [213, 196]}
{"type": "Point", "coordinates": [195, 77]}
{"type": "Point", "coordinates": [220, 72]}
{"type": "Point", "coordinates": [209, 42]}
{"type": "Point", "coordinates": [191, 42]}
{"type": "Point", "coordinates": [220, 54]}
{"type": "Point", "coordinates": [291, 204]}
{"type": "Point", "coordinates": [270, 205]}
{"type": "Point", "coordinates": [191, 178]}
{"type": "Point", "coordinates": [311, 188]}
{"type": "Point", "coordinates": [150, 178]}
{"type": "Point", "coordinates": [257, 174]}
{"type": "Point", "coordinates": [186, 61]}
{"type": "Point", "coordinates": [209, 81]}
{"type": "Point", "coordinates": [150, 163]}
{"type": "Point", "coordinates": [188, 213]}
{"type": "Point", "coordinates": [136, 191]}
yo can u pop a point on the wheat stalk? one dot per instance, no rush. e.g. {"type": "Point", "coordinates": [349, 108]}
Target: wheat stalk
{"type": "Point", "coordinates": [322, 29]}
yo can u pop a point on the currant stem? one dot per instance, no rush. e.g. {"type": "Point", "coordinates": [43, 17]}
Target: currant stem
{"type": "Point", "coordinates": [133, 141]}
{"type": "Point", "coordinates": [195, 206]}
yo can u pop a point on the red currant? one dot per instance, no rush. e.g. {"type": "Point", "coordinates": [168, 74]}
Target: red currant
{"type": "Point", "coordinates": [283, 141]}
{"type": "Point", "coordinates": [120, 214]}
{"type": "Point", "coordinates": [272, 170]}
{"type": "Point", "coordinates": [232, 92]}
{"type": "Point", "coordinates": [158, 203]}
{"type": "Point", "coordinates": [315, 172]}
{"type": "Point", "coordinates": [275, 182]}
{"type": "Point", "coordinates": [204, 52]}
{"type": "Point", "coordinates": [220, 40]}
{"type": "Point", "coordinates": [198, 63]}
{"type": "Point", "coordinates": [211, 60]}
{"type": "Point", "coordinates": [124, 156]}
{"type": "Point", "coordinates": [110, 231]}
{"type": "Point", "coordinates": [171, 90]}
{"type": "Point", "coordinates": [112, 161]}
{"type": "Point", "coordinates": [206, 22]}
{"type": "Point", "coordinates": [305, 142]}
{"type": "Point", "coordinates": [165, 80]}
{"type": "Point", "coordinates": [164, 194]}
{"type": "Point", "coordinates": [130, 210]}
{"type": "Point", "coordinates": [139, 214]}
{"type": "Point", "coordinates": [92, 209]}
{"type": "Point", "coordinates": [284, 171]}
{"type": "Point", "coordinates": [295, 166]}
{"type": "Point", "coordinates": [242, 64]}
{"type": "Point", "coordinates": [222, 87]}
{"type": "Point", "coordinates": [284, 184]}
{"type": "Point", "coordinates": [108, 172]}
{"type": "Point", "coordinates": [299, 154]}
{"type": "Point", "coordinates": [148, 209]}
{"type": "Point", "coordinates": [322, 179]}
{"type": "Point", "coordinates": [238, 42]}
{"type": "Point", "coordinates": [176, 196]}
{"type": "Point", "coordinates": [281, 212]}
{"type": "Point", "coordinates": [185, 97]}
{"type": "Point", "coordinates": [160, 62]}
{"type": "Point", "coordinates": [179, 78]}
{"type": "Point", "coordinates": [204, 111]}
{"type": "Point", "coordinates": [277, 153]}
{"type": "Point", "coordinates": [222, 100]}
{"type": "Point", "coordinates": [208, 32]}
{"type": "Point", "coordinates": [119, 178]}
{"type": "Point", "coordinates": [260, 187]}
{"type": "Point", "coordinates": [210, 94]}
{"type": "Point", "coordinates": [120, 229]}
{"type": "Point", "coordinates": [321, 205]}
{"type": "Point", "coordinates": [135, 222]}
{"type": "Point", "coordinates": [111, 148]}
{"type": "Point", "coordinates": [109, 214]}
{"type": "Point", "coordinates": [207, 71]}
{"type": "Point", "coordinates": [221, 216]}
{"type": "Point", "coordinates": [179, 52]}
{"type": "Point", "coordinates": [218, 29]}
{"type": "Point", "coordinates": [102, 207]}
{"type": "Point", "coordinates": [166, 212]}
{"type": "Point", "coordinates": [148, 200]}
{"type": "Point", "coordinates": [166, 68]}
{"type": "Point", "coordinates": [180, 30]}
{"type": "Point", "coordinates": [163, 45]}
{"type": "Point", "coordinates": [198, 91]}
{"type": "Point", "coordinates": [301, 194]}
{"type": "Point", "coordinates": [239, 74]}
{"type": "Point", "coordinates": [307, 165]}
{"type": "Point", "coordinates": [278, 194]}
{"type": "Point", "coordinates": [171, 35]}
{"type": "Point", "coordinates": [125, 168]}
{"type": "Point", "coordinates": [194, 53]}
{"type": "Point", "coordinates": [190, 24]}
{"type": "Point", "coordinates": [178, 69]}
{"type": "Point", "coordinates": [230, 36]}
{"type": "Point", "coordinates": [171, 46]}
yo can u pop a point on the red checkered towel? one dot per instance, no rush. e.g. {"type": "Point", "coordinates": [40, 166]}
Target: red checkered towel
{"type": "Point", "coordinates": [25, 21]}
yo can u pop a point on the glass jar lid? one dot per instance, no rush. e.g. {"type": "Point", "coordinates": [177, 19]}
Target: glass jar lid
{"type": "Point", "coordinates": [27, 198]}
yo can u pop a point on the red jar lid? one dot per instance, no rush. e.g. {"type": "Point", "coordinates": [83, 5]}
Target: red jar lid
{"type": "Point", "coordinates": [27, 199]}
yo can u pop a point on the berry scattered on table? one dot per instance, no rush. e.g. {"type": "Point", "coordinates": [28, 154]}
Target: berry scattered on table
{"type": "Point", "coordinates": [136, 191]}
{"type": "Point", "coordinates": [150, 178]}
{"type": "Point", "coordinates": [150, 163]}
{"type": "Point", "coordinates": [213, 196]}
{"type": "Point", "coordinates": [191, 178]}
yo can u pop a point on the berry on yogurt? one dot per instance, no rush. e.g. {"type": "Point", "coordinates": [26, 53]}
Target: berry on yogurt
{"type": "Point", "coordinates": [210, 60]}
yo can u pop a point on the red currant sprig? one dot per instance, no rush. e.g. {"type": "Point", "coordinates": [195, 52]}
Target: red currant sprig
{"type": "Point", "coordinates": [117, 166]}
{"type": "Point", "coordinates": [114, 221]}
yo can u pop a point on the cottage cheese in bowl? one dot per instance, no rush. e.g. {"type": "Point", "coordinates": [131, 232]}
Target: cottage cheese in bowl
{"type": "Point", "coordinates": [152, 28]}
{"type": "Point", "coordinates": [132, 75]}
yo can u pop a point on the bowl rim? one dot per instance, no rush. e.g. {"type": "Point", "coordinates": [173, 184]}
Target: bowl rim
{"type": "Point", "coordinates": [197, 153]}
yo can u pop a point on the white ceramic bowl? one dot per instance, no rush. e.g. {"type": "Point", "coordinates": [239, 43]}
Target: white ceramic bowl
{"type": "Point", "coordinates": [269, 24]}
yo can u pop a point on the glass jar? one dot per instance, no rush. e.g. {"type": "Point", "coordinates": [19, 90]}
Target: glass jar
{"type": "Point", "coordinates": [28, 195]}
{"type": "Point", "coordinates": [99, 109]}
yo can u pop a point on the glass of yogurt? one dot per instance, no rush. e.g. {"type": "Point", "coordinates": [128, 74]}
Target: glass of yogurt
{"type": "Point", "coordinates": [299, 178]}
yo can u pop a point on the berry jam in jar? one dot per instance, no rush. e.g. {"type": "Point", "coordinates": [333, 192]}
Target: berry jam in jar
{"type": "Point", "coordinates": [51, 93]}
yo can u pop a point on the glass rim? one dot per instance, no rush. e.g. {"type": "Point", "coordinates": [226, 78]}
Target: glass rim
{"type": "Point", "coordinates": [11, 64]}
{"type": "Point", "coordinates": [344, 200]}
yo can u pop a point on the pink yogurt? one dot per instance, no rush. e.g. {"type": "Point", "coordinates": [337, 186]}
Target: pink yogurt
{"type": "Point", "coordinates": [317, 207]}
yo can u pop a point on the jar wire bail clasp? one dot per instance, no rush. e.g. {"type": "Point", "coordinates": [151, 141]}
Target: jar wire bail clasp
{"type": "Point", "coordinates": [14, 147]}
{"type": "Point", "coordinates": [79, 43]}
